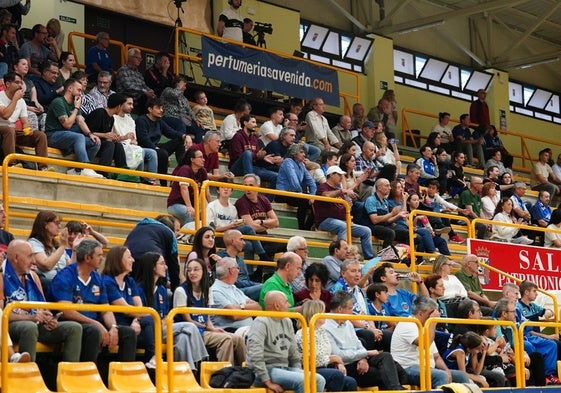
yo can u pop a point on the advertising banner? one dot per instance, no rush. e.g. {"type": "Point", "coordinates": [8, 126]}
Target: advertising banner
{"type": "Point", "coordinates": [538, 264]}
{"type": "Point", "coordinates": [265, 71]}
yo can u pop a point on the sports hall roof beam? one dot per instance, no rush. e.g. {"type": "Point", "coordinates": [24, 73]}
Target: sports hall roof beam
{"type": "Point", "coordinates": [347, 15]}
{"type": "Point", "coordinates": [477, 9]}
{"type": "Point", "coordinates": [532, 28]}
{"type": "Point", "coordinates": [388, 20]}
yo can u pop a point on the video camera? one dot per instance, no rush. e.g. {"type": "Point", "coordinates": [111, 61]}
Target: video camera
{"type": "Point", "coordinates": [263, 28]}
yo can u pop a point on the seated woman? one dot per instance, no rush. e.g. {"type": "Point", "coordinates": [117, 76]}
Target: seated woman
{"type": "Point", "coordinates": [435, 286]}
{"type": "Point", "coordinates": [467, 353]}
{"type": "Point", "coordinates": [122, 291]}
{"type": "Point", "coordinates": [458, 182]}
{"type": "Point", "coordinates": [195, 292]}
{"type": "Point", "coordinates": [49, 245]}
{"type": "Point", "coordinates": [494, 143]}
{"type": "Point", "coordinates": [454, 290]}
{"type": "Point", "coordinates": [352, 181]}
{"type": "Point", "coordinates": [389, 154]}
{"type": "Point", "coordinates": [294, 177]}
{"type": "Point", "coordinates": [181, 197]}
{"type": "Point", "coordinates": [330, 366]}
{"type": "Point", "coordinates": [444, 131]}
{"type": "Point", "coordinates": [177, 111]}
{"type": "Point", "coordinates": [204, 249]}
{"type": "Point", "coordinates": [488, 201]}
{"type": "Point", "coordinates": [422, 226]}
{"type": "Point", "coordinates": [504, 213]}
{"type": "Point", "coordinates": [316, 276]}
{"type": "Point", "coordinates": [151, 280]}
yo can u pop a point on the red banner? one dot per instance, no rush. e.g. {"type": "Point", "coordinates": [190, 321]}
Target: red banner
{"type": "Point", "coordinates": [538, 264]}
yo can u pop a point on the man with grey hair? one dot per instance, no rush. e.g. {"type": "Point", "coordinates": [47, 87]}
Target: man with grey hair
{"type": "Point", "coordinates": [318, 132]}
{"type": "Point", "coordinates": [342, 130]}
{"type": "Point", "coordinates": [229, 297]}
{"type": "Point", "coordinates": [272, 353]}
{"type": "Point", "coordinates": [130, 80]}
{"type": "Point", "coordinates": [98, 95]}
{"type": "Point", "coordinates": [405, 347]}
{"type": "Point", "coordinates": [209, 147]}
{"type": "Point", "coordinates": [81, 283]}
{"type": "Point", "coordinates": [380, 218]}
{"type": "Point", "coordinates": [519, 206]}
{"type": "Point", "coordinates": [98, 58]}
{"type": "Point", "coordinates": [468, 276]}
{"type": "Point", "coordinates": [299, 246]}
{"type": "Point", "coordinates": [288, 268]}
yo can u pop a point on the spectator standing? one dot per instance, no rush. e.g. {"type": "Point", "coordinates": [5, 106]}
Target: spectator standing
{"type": "Point", "coordinates": [479, 110]}
{"type": "Point", "coordinates": [247, 27]}
{"type": "Point", "coordinates": [98, 58]}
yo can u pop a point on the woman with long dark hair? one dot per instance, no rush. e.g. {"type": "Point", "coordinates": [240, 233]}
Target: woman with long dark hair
{"type": "Point", "coordinates": [151, 279]}
{"type": "Point", "coordinates": [195, 292]}
{"type": "Point", "coordinates": [204, 248]}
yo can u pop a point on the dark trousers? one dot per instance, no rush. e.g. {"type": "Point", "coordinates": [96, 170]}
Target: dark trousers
{"type": "Point", "coordinates": [173, 146]}
{"type": "Point", "coordinates": [304, 213]}
{"type": "Point", "coordinates": [91, 341]}
{"type": "Point", "coordinates": [382, 372]}
{"type": "Point", "coordinates": [110, 152]}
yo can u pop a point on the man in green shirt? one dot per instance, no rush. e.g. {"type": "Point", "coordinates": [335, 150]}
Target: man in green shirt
{"type": "Point", "coordinates": [289, 267]}
{"type": "Point", "coordinates": [470, 200]}
{"type": "Point", "coordinates": [469, 279]}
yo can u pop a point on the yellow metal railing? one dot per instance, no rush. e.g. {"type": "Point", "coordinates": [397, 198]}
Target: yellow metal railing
{"type": "Point", "coordinates": [74, 164]}
{"type": "Point", "coordinates": [518, 348]}
{"type": "Point", "coordinates": [355, 95]}
{"type": "Point", "coordinates": [242, 187]}
{"type": "Point", "coordinates": [524, 154]}
{"type": "Point", "coordinates": [520, 340]}
{"type": "Point", "coordinates": [351, 317]}
{"type": "Point", "coordinates": [81, 307]}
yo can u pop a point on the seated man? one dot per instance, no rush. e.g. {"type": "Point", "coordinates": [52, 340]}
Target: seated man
{"type": "Point", "coordinates": [368, 367]}
{"type": "Point", "coordinates": [27, 327]}
{"type": "Point", "coordinates": [98, 95]}
{"type": "Point", "coordinates": [81, 283]}
{"type": "Point", "coordinates": [470, 280]}
{"type": "Point", "coordinates": [405, 347]}
{"type": "Point", "coordinates": [101, 123]}
{"type": "Point", "coordinates": [36, 50]}
{"type": "Point", "coordinates": [318, 132]}
{"type": "Point", "coordinates": [257, 212]}
{"type": "Point", "coordinates": [245, 153]}
{"type": "Point", "coordinates": [66, 129]}
{"type": "Point", "coordinates": [209, 147]}
{"type": "Point", "coordinates": [46, 85]}
{"type": "Point", "coordinates": [98, 58]}
{"type": "Point", "coordinates": [159, 76]}
{"type": "Point", "coordinates": [234, 245]}
{"type": "Point", "coordinates": [149, 131]}
{"type": "Point", "coordinates": [129, 80]}
{"type": "Point", "coordinates": [12, 110]}
{"type": "Point", "coordinates": [270, 130]}
{"type": "Point", "coordinates": [332, 217]}
{"type": "Point", "coordinates": [272, 352]}
{"type": "Point", "coordinates": [337, 254]}
{"type": "Point", "coordinates": [288, 268]}
{"type": "Point", "coordinates": [227, 296]}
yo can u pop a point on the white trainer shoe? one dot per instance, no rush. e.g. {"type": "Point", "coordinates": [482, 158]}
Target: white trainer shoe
{"type": "Point", "coordinates": [91, 173]}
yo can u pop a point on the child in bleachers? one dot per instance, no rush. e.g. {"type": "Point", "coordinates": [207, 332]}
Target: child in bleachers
{"type": "Point", "coordinates": [377, 295]}
{"type": "Point", "coordinates": [203, 113]}
{"type": "Point", "coordinates": [499, 354]}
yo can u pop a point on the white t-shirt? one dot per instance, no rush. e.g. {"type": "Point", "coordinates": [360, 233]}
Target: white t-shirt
{"type": "Point", "coordinates": [19, 111]}
{"type": "Point", "coordinates": [233, 25]}
{"type": "Point", "coordinates": [124, 125]}
{"type": "Point", "coordinates": [403, 350]}
{"type": "Point", "coordinates": [229, 127]}
{"type": "Point", "coordinates": [452, 287]}
{"type": "Point", "coordinates": [221, 215]}
{"type": "Point", "coordinates": [268, 128]}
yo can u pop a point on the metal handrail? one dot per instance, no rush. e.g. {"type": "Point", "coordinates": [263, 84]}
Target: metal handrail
{"type": "Point", "coordinates": [81, 307]}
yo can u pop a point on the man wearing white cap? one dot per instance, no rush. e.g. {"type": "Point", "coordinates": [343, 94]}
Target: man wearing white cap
{"type": "Point", "coordinates": [332, 217]}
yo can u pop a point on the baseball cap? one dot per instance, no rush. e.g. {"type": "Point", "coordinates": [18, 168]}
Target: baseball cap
{"type": "Point", "coordinates": [368, 123]}
{"type": "Point", "coordinates": [334, 169]}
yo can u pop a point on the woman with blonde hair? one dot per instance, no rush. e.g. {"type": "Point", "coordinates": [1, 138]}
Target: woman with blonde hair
{"type": "Point", "coordinates": [330, 366]}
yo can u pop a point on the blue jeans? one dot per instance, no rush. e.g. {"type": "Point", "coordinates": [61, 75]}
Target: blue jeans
{"type": "Point", "coordinates": [312, 152]}
{"type": "Point", "coordinates": [179, 211]}
{"type": "Point", "coordinates": [336, 381]}
{"type": "Point", "coordinates": [179, 125]}
{"type": "Point", "coordinates": [244, 165]}
{"type": "Point", "coordinates": [150, 160]}
{"type": "Point", "coordinates": [251, 247]}
{"type": "Point", "coordinates": [339, 227]}
{"type": "Point", "coordinates": [438, 377]}
{"type": "Point", "coordinates": [292, 379]}
{"type": "Point", "coordinates": [73, 141]}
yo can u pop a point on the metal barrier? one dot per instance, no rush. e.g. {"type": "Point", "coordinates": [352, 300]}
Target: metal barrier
{"type": "Point", "coordinates": [81, 307]}
{"type": "Point", "coordinates": [241, 187]}
{"type": "Point", "coordinates": [352, 317]}
{"type": "Point", "coordinates": [247, 313]}
{"type": "Point", "coordinates": [76, 164]}
{"type": "Point", "coordinates": [518, 349]}
{"type": "Point", "coordinates": [525, 156]}
{"type": "Point", "coordinates": [197, 59]}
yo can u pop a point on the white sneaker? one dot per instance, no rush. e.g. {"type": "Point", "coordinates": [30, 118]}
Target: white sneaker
{"type": "Point", "coordinates": [72, 172]}
{"type": "Point", "coordinates": [23, 357]}
{"type": "Point", "coordinates": [522, 240]}
{"type": "Point", "coordinates": [91, 173]}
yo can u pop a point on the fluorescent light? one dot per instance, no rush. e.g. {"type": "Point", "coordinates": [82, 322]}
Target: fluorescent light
{"type": "Point", "coordinates": [536, 63]}
{"type": "Point", "coordinates": [420, 27]}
